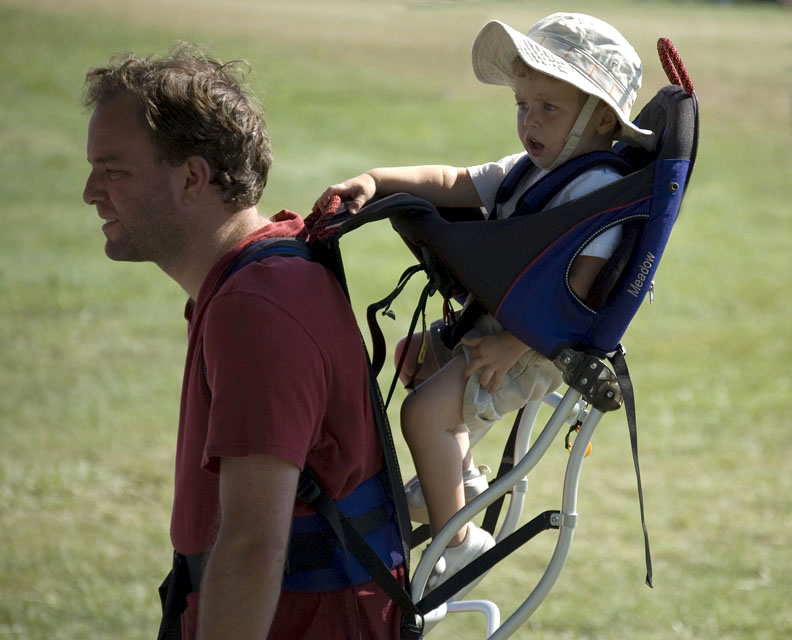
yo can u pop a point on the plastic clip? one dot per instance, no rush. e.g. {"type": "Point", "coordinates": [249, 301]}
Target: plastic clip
{"type": "Point", "coordinates": [575, 428]}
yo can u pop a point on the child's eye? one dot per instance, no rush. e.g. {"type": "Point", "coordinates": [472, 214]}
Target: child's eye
{"type": "Point", "coordinates": [521, 106]}
{"type": "Point", "coordinates": [549, 107]}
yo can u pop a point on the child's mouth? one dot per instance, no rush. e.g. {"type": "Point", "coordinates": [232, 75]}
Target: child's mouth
{"type": "Point", "coordinates": [535, 147]}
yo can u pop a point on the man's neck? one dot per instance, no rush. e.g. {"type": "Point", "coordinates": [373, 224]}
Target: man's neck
{"type": "Point", "coordinates": [207, 247]}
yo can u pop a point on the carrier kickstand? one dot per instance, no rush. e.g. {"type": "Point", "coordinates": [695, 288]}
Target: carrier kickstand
{"type": "Point", "coordinates": [570, 408]}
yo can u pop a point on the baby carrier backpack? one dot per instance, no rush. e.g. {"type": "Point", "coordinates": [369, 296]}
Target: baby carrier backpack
{"type": "Point", "coordinates": [526, 288]}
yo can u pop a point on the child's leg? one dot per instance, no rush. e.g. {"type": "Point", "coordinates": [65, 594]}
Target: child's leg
{"type": "Point", "coordinates": [436, 355]}
{"type": "Point", "coordinates": [408, 372]}
{"type": "Point", "coordinates": [428, 368]}
{"type": "Point", "coordinates": [431, 418]}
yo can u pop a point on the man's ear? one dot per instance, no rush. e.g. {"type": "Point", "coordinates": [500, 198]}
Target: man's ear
{"type": "Point", "coordinates": [196, 174]}
{"type": "Point", "coordinates": [607, 122]}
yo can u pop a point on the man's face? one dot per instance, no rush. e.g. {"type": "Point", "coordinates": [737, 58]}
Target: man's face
{"type": "Point", "coordinates": [134, 193]}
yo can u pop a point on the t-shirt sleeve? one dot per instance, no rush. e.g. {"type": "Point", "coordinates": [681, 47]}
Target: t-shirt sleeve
{"type": "Point", "coordinates": [488, 177]}
{"type": "Point", "coordinates": [267, 377]}
{"type": "Point", "coordinates": [604, 244]}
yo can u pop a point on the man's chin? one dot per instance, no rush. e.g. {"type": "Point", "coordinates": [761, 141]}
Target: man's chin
{"type": "Point", "coordinates": [122, 254]}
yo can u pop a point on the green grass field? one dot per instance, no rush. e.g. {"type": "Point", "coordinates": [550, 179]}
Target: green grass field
{"type": "Point", "coordinates": [92, 351]}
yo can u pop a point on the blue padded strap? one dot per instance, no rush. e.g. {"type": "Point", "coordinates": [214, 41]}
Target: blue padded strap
{"type": "Point", "coordinates": [540, 193]}
{"type": "Point", "coordinates": [266, 248]}
{"type": "Point", "coordinates": [349, 556]}
{"type": "Point", "coordinates": [506, 189]}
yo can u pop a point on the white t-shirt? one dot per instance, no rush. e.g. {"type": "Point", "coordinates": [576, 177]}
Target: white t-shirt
{"type": "Point", "coordinates": [488, 177]}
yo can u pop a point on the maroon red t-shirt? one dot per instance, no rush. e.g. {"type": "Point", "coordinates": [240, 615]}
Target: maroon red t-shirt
{"type": "Point", "coordinates": [288, 378]}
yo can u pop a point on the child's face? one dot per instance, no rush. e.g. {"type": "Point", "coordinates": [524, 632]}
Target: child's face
{"type": "Point", "coordinates": [546, 111]}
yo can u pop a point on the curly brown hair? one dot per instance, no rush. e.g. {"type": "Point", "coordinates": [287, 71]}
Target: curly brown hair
{"type": "Point", "coordinates": [192, 105]}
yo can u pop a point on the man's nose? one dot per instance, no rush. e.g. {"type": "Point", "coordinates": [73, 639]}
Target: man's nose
{"type": "Point", "coordinates": [91, 190]}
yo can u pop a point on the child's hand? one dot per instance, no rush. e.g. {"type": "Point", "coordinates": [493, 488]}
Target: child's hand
{"type": "Point", "coordinates": [356, 191]}
{"type": "Point", "coordinates": [493, 356]}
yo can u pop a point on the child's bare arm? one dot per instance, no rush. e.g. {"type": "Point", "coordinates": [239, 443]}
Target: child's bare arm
{"type": "Point", "coordinates": [582, 274]}
{"type": "Point", "coordinates": [442, 185]}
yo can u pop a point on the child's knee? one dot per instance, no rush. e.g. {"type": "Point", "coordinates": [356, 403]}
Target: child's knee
{"type": "Point", "coordinates": [407, 361]}
{"type": "Point", "coordinates": [410, 415]}
{"type": "Point", "coordinates": [401, 345]}
{"type": "Point", "coordinates": [413, 372]}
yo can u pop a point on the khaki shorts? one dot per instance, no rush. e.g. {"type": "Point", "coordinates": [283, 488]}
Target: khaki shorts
{"type": "Point", "coordinates": [531, 378]}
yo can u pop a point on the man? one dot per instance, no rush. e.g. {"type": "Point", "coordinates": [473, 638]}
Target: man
{"type": "Point", "coordinates": [275, 377]}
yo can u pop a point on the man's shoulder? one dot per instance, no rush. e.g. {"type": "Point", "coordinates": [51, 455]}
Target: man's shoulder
{"type": "Point", "coordinates": [282, 278]}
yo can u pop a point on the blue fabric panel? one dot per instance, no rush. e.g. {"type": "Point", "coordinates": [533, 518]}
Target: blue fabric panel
{"type": "Point", "coordinates": [541, 309]}
{"type": "Point", "coordinates": [346, 570]}
{"type": "Point", "coordinates": [612, 321]}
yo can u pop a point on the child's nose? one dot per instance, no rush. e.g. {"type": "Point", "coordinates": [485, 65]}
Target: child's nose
{"type": "Point", "coordinates": [529, 117]}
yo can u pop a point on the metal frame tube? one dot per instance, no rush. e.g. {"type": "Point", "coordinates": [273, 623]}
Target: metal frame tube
{"type": "Point", "coordinates": [567, 522]}
{"type": "Point", "coordinates": [567, 408]}
{"type": "Point", "coordinates": [497, 489]}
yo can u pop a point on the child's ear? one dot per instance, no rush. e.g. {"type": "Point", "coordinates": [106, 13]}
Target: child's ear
{"type": "Point", "coordinates": [607, 121]}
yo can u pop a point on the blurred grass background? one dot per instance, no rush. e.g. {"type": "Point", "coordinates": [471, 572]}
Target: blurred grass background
{"type": "Point", "coordinates": [92, 351]}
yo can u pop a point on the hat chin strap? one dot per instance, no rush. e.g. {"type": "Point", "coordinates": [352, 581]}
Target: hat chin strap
{"type": "Point", "coordinates": [576, 133]}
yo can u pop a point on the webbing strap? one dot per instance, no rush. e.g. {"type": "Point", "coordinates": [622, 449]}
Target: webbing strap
{"type": "Point", "coordinates": [183, 579]}
{"type": "Point", "coordinates": [313, 550]}
{"type": "Point", "coordinates": [328, 254]}
{"type": "Point", "coordinates": [412, 625]}
{"type": "Point", "coordinates": [486, 561]}
{"type": "Point", "coordinates": [377, 339]}
{"type": "Point", "coordinates": [420, 535]}
{"type": "Point", "coordinates": [392, 469]}
{"type": "Point", "coordinates": [420, 311]}
{"type": "Point", "coordinates": [623, 376]}
{"type": "Point", "coordinates": [506, 465]}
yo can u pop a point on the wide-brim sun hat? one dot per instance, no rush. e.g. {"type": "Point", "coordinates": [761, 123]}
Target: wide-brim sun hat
{"type": "Point", "coordinates": [584, 51]}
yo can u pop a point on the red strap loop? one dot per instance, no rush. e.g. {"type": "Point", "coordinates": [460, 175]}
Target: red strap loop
{"type": "Point", "coordinates": [673, 66]}
{"type": "Point", "coordinates": [316, 222]}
